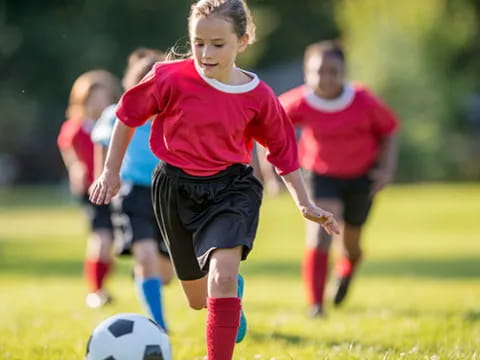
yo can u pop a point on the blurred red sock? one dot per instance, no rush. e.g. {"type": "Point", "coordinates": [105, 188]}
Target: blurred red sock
{"type": "Point", "coordinates": [95, 273]}
{"type": "Point", "coordinates": [223, 320]}
{"type": "Point", "coordinates": [314, 273]}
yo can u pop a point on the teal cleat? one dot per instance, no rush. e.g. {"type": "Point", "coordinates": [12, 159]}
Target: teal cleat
{"type": "Point", "coordinates": [242, 329]}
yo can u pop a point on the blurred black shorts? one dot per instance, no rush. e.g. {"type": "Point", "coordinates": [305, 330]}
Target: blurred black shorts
{"type": "Point", "coordinates": [135, 219]}
{"type": "Point", "coordinates": [200, 214]}
{"type": "Point", "coordinates": [354, 193]}
{"type": "Point", "coordinates": [99, 216]}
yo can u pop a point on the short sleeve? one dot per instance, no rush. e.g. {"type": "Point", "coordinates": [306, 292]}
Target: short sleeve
{"type": "Point", "coordinates": [273, 130]}
{"type": "Point", "coordinates": [103, 129]}
{"type": "Point", "coordinates": [142, 101]}
{"type": "Point", "coordinates": [384, 120]}
{"type": "Point", "coordinates": [67, 134]}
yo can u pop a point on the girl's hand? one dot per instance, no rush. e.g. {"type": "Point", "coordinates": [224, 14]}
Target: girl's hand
{"type": "Point", "coordinates": [322, 217]}
{"type": "Point", "coordinates": [104, 188]}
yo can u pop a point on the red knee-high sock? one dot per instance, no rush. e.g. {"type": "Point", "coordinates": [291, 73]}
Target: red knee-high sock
{"type": "Point", "coordinates": [314, 271]}
{"type": "Point", "coordinates": [223, 320]}
{"type": "Point", "coordinates": [345, 266]}
{"type": "Point", "coordinates": [95, 273]}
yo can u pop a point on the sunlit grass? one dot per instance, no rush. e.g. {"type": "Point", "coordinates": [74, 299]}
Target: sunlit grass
{"type": "Point", "coordinates": [416, 295]}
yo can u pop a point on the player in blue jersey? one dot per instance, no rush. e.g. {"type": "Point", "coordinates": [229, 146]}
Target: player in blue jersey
{"type": "Point", "coordinates": [152, 268]}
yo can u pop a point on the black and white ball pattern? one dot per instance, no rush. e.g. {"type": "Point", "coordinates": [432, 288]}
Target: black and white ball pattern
{"type": "Point", "coordinates": [128, 337]}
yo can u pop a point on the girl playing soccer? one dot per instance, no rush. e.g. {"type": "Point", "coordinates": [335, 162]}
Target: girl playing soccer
{"type": "Point", "coordinates": [207, 114]}
{"type": "Point", "coordinates": [152, 269]}
{"type": "Point", "coordinates": [348, 144]}
{"type": "Point", "coordinates": [91, 93]}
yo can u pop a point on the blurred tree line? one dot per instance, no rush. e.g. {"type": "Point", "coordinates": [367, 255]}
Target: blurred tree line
{"type": "Point", "coordinates": [421, 56]}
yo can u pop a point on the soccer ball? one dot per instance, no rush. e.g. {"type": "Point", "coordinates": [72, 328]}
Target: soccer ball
{"type": "Point", "coordinates": [128, 337]}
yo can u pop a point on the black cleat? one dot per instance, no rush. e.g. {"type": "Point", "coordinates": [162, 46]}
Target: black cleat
{"type": "Point", "coordinates": [343, 284]}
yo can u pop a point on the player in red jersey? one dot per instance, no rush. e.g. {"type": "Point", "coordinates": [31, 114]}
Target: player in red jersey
{"type": "Point", "coordinates": [348, 146]}
{"type": "Point", "coordinates": [91, 93]}
{"type": "Point", "coordinates": [207, 113]}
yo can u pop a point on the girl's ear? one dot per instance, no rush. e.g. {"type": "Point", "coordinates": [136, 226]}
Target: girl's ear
{"type": "Point", "coordinates": [243, 43]}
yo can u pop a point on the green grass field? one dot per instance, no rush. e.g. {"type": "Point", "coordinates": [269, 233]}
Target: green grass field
{"type": "Point", "coordinates": [417, 294]}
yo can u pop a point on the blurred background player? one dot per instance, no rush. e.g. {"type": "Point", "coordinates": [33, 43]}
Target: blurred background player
{"type": "Point", "coordinates": [348, 145]}
{"type": "Point", "coordinates": [91, 93]}
{"type": "Point", "coordinates": [152, 268]}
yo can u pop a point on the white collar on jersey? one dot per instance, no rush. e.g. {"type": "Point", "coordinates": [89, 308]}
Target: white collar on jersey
{"type": "Point", "coordinates": [232, 89]}
{"type": "Point", "coordinates": [330, 105]}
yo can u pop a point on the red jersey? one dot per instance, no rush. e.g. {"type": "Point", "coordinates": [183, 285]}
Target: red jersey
{"type": "Point", "coordinates": [202, 125]}
{"type": "Point", "coordinates": [75, 134]}
{"type": "Point", "coordinates": [340, 137]}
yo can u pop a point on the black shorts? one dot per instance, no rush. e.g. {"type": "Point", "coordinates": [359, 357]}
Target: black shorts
{"type": "Point", "coordinates": [99, 216]}
{"type": "Point", "coordinates": [200, 214]}
{"type": "Point", "coordinates": [135, 218]}
{"type": "Point", "coordinates": [355, 195]}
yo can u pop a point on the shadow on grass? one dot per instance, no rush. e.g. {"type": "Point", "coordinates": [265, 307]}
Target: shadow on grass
{"type": "Point", "coordinates": [461, 267]}
{"type": "Point", "coordinates": [50, 268]}
{"type": "Point", "coordinates": [466, 267]}
{"type": "Point", "coordinates": [348, 345]}
{"type": "Point", "coordinates": [472, 316]}
{"type": "Point", "coordinates": [277, 336]}
{"type": "Point", "coordinates": [344, 344]}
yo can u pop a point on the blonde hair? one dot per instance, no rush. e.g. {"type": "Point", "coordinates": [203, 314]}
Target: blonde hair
{"type": "Point", "coordinates": [234, 11]}
{"type": "Point", "coordinates": [83, 87]}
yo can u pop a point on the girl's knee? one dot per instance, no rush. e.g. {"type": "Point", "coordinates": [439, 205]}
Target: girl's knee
{"type": "Point", "coordinates": [357, 255]}
{"type": "Point", "coordinates": [354, 255]}
{"type": "Point", "coordinates": [166, 278]}
{"type": "Point", "coordinates": [197, 304]}
{"type": "Point", "coordinates": [223, 282]}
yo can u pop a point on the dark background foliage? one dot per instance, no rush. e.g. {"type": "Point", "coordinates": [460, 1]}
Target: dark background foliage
{"type": "Point", "coordinates": [45, 45]}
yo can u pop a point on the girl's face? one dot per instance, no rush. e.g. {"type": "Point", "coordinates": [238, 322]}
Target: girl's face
{"type": "Point", "coordinates": [215, 46]}
{"type": "Point", "coordinates": [325, 74]}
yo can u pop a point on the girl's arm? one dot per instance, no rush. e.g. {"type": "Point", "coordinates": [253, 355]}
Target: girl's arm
{"type": "Point", "coordinates": [383, 173]}
{"type": "Point", "coordinates": [99, 156]}
{"type": "Point", "coordinates": [272, 186]}
{"type": "Point", "coordinates": [296, 187]}
{"type": "Point", "coordinates": [108, 183]}
{"type": "Point", "coordinates": [77, 172]}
